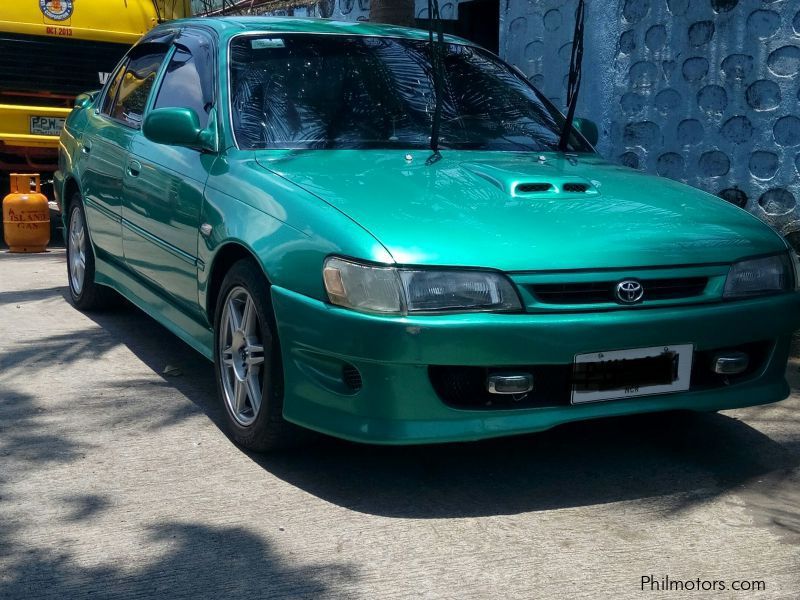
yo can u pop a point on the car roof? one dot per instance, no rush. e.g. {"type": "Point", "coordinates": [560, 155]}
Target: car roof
{"type": "Point", "coordinates": [230, 26]}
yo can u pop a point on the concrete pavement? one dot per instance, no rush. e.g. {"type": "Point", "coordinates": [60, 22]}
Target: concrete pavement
{"type": "Point", "coordinates": [117, 482]}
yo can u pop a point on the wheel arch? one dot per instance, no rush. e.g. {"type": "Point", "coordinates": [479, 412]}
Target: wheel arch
{"type": "Point", "coordinates": [70, 188]}
{"type": "Point", "coordinates": [228, 254]}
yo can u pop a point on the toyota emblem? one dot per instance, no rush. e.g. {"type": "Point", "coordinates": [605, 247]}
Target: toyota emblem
{"type": "Point", "coordinates": [629, 291]}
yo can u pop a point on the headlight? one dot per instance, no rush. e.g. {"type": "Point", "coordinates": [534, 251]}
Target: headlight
{"type": "Point", "coordinates": [760, 276]}
{"type": "Point", "coordinates": [400, 291]}
{"type": "Point", "coordinates": [362, 287]}
{"type": "Point", "coordinates": [795, 260]}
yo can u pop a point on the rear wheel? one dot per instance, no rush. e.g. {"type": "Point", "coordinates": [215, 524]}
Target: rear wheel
{"type": "Point", "coordinates": [247, 362]}
{"type": "Point", "coordinates": [84, 292]}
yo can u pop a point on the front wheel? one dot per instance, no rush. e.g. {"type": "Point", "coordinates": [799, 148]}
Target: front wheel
{"type": "Point", "coordinates": [247, 362]}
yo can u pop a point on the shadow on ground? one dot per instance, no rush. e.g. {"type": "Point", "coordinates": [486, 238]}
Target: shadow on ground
{"type": "Point", "coordinates": [202, 562]}
{"type": "Point", "coordinates": [681, 458]}
{"type": "Point", "coordinates": [177, 559]}
{"type": "Point", "coordinates": [671, 463]}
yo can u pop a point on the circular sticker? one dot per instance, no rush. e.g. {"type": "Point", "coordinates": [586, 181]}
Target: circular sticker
{"type": "Point", "coordinates": [57, 10]}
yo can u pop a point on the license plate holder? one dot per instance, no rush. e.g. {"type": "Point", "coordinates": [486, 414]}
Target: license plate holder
{"type": "Point", "coordinates": [601, 376]}
{"type": "Point", "coordinates": [40, 125]}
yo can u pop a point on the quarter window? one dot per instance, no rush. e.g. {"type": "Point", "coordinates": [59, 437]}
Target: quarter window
{"type": "Point", "coordinates": [136, 84]}
{"type": "Point", "coordinates": [111, 92]}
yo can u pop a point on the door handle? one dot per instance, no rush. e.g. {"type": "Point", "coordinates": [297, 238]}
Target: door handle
{"type": "Point", "coordinates": [134, 168]}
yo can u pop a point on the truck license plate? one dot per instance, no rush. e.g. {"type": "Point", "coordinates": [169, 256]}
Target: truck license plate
{"type": "Point", "coordinates": [47, 125]}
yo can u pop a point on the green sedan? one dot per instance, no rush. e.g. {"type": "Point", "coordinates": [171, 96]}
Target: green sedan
{"type": "Point", "coordinates": [393, 239]}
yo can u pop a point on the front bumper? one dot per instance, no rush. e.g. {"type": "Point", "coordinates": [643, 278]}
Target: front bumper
{"type": "Point", "coordinates": [397, 403]}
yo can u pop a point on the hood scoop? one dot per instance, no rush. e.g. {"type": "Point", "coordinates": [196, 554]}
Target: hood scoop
{"type": "Point", "coordinates": [574, 187]}
{"type": "Point", "coordinates": [558, 188]}
{"type": "Point", "coordinates": [521, 185]}
{"type": "Point", "coordinates": [532, 188]}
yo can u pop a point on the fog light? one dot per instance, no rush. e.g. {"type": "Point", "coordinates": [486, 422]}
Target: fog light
{"type": "Point", "coordinates": [351, 377]}
{"type": "Point", "coordinates": [730, 363]}
{"type": "Point", "coordinates": [509, 383]}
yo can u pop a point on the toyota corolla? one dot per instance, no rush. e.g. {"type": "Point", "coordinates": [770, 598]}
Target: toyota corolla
{"type": "Point", "coordinates": [393, 239]}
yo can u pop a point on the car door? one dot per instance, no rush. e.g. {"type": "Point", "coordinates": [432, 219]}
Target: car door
{"type": "Point", "coordinates": [102, 154]}
{"type": "Point", "coordinates": [164, 185]}
{"type": "Point", "coordinates": [106, 144]}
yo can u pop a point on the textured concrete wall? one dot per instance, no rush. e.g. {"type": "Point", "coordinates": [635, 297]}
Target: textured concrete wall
{"type": "Point", "coordinates": [703, 91]}
{"type": "Point", "coordinates": [358, 10]}
{"type": "Point", "coordinates": [536, 36]}
{"type": "Point", "coordinates": [340, 10]}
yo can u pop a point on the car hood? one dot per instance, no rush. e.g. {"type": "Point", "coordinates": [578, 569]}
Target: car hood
{"type": "Point", "coordinates": [491, 209]}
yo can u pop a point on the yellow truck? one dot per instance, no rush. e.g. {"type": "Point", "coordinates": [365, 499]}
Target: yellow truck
{"type": "Point", "coordinates": [53, 50]}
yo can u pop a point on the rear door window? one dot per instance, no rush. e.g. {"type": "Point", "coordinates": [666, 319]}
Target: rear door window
{"type": "Point", "coordinates": [111, 92]}
{"type": "Point", "coordinates": [136, 84]}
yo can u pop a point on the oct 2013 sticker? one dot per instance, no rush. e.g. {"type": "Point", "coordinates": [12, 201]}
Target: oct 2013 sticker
{"type": "Point", "coordinates": [57, 10]}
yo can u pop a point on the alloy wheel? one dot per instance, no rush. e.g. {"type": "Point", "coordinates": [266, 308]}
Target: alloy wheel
{"type": "Point", "coordinates": [77, 251]}
{"type": "Point", "coordinates": [241, 356]}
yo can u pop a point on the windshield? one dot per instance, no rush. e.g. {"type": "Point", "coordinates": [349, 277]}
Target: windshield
{"type": "Point", "coordinates": [358, 92]}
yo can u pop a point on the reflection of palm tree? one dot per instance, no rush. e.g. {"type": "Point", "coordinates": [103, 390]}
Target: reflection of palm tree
{"type": "Point", "coordinates": [407, 84]}
{"type": "Point", "coordinates": [322, 92]}
{"type": "Point", "coordinates": [505, 113]}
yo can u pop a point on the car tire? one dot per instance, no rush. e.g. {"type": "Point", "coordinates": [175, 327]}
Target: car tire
{"type": "Point", "coordinates": [247, 362]}
{"type": "Point", "coordinates": [86, 294]}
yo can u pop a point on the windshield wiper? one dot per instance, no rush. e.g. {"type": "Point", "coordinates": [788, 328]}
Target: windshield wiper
{"type": "Point", "coordinates": [437, 49]}
{"type": "Point", "coordinates": [574, 82]}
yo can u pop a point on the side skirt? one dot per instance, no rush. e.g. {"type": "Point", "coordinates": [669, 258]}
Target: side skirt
{"type": "Point", "coordinates": [197, 335]}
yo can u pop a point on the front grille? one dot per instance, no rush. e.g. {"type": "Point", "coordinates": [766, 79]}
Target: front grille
{"type": "Point", "coordinates": [465, 387]}
{"type": "Point", "coordinates": [35, 64]}
{"type": "Point", "coordinates": [601, 292]}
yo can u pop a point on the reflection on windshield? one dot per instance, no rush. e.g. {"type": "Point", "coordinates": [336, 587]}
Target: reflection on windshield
{"type": "Point", "coordinates": [313, 91]}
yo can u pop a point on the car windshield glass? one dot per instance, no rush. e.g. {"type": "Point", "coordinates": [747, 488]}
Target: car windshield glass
{"type": "Point", "coordinates": [360, 92]}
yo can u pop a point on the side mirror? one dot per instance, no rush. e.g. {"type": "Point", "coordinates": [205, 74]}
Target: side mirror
{"type": "Point", "coordinates": [85, 100]}
{"type": "Point", "coordinates": [587, 129]}
{"type": "Point", "coordinates": [174, 127]}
